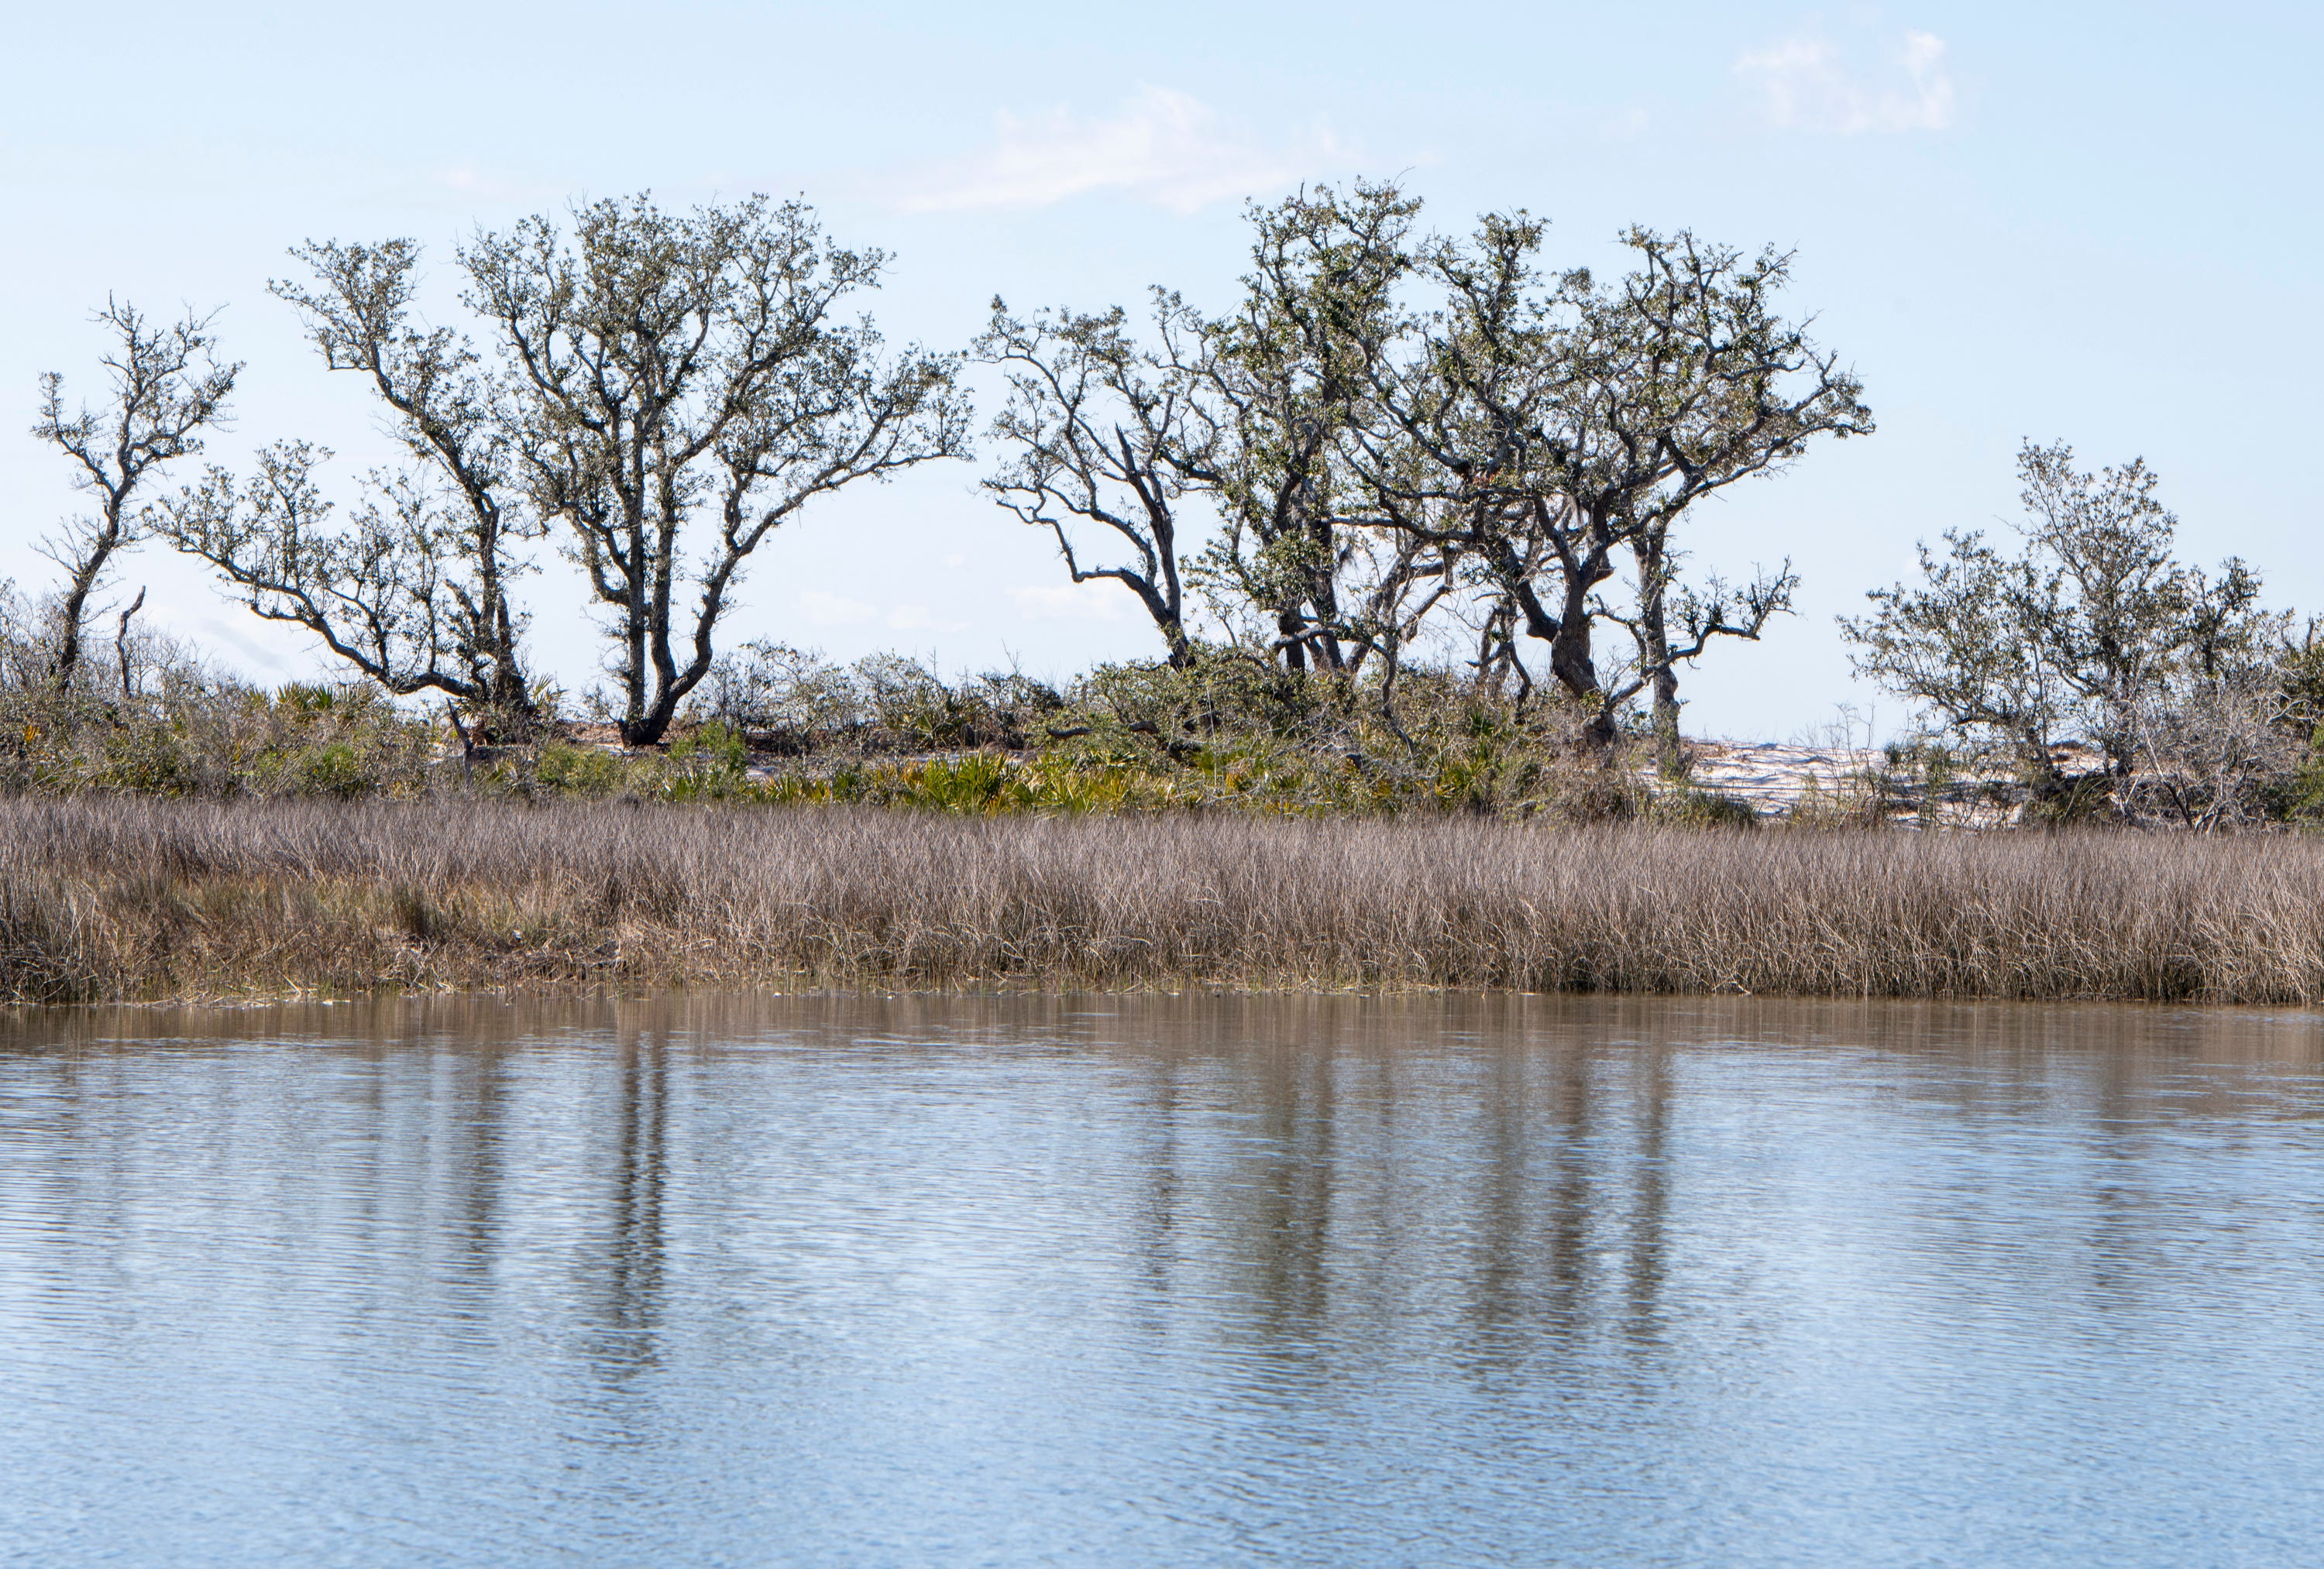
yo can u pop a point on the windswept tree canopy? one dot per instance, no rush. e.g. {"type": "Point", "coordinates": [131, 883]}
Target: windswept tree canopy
{"type": "Point", "coordinates": [1549, 425]}
{"type": "Point", "coordinates": [665, 389]}
{"type": "Point", "coordinates": [1386, 433]}
{"type": "Point", "coordinates": [392, 590]}
{"type": "Point", "coordinates": [1099, 438]}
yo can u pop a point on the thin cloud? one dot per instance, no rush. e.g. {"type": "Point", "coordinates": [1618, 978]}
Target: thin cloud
{"type": "Point", "coordinates": [1804, 86]}
{"type": "Point", "coordinates": [468, 179]}
{"type": "Point", "coordinates": [1069, 602]}
{"type": "Point", "coordinates": [1159, 146]}
{"type": "Point", "coordinates": [917, 618]}
{"type": "Point", "coordinates": [823, 608]}
{"type": "Point", "coordinates": [830, 609]}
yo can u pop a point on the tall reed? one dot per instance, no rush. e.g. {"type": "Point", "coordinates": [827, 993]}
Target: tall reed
{"type": "Point", "coordinates": [126, 898]}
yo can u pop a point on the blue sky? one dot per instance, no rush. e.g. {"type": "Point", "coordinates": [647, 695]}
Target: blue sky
{"type": "Point", "coordinates": [2090, 222]}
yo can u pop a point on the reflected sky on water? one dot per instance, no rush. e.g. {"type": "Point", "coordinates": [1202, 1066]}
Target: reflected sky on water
{"type": "Point", "coordinates": [1162, 1281]}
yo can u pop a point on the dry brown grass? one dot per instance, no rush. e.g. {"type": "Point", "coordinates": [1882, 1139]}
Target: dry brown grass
{"type": "Point", "coordinates": [129, 898]}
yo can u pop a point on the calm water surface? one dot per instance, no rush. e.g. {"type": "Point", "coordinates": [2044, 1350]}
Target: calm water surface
{"type": "Point", "coordinates": [712, 1280]}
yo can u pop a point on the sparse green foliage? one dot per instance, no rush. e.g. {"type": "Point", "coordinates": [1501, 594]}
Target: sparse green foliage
{"type": "Point", "coordinates": [1099, 434]}
{"type": "Point", "coordinates": [166, 390]}
{"type": "Point", "coordinates": [1395, 469]}
{"type": "Point", "coordinates": [679, 385]}
{"type": "Point", "coordinates": [397, 592]}
{"type": "Point", "coordinates": [2094, 631]}
{"type": "Point", "coordinates": [1552, 428]}
{"type": "Point", "coordinates": [416, 591]}
{"type": "Point", "coordinates": [1284, 374]}
{"type": "Point", "coordinates": [1395, 430]}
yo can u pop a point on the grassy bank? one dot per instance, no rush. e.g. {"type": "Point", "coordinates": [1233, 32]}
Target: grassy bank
{"type": "Point", "coordinates": [126, 898]}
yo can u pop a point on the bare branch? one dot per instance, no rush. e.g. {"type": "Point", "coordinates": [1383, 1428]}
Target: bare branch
{"type": "Point", "coordinates": [165, 388]}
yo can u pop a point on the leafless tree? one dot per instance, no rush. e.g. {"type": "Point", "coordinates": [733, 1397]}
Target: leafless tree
{"type": "Point", "coordinates": [2215, 751]}
{"type": "Point", "coordinates": [124, 650]}
{"type": "Point", "coordinates": [679, 374]}
{"type": "Point", "coordinates": [166, 388]}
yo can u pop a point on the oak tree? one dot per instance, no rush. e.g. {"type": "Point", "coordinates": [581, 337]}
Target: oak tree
{"type": "Point", "coordinates": [1556, 431]}
{"type": "Point", "coordinates": [1284, 374]}
{"type": "Point", "coordinates": [680, 384]}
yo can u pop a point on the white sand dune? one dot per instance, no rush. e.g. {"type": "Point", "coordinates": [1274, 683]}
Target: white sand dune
{"type": "Point", "coordinates": [1773, 777]}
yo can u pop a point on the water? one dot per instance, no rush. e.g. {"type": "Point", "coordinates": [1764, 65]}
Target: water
{"type": "Point", "coordinates": [1162, 1282]}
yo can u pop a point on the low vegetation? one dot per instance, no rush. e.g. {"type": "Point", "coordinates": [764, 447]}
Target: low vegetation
{"type": "Point", "coordinates": [780, 728]}
{"type": "Point", "coordinates": [127, 898]}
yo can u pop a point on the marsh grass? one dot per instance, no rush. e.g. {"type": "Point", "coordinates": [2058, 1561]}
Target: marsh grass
{"type": "Point", "coordinates": [126, 898]}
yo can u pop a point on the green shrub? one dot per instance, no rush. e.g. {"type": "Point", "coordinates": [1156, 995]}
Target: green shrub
{"type": "Point", "coordinates": [570, 770]}
{"type": "Point", "coordinates": [1687, 806]}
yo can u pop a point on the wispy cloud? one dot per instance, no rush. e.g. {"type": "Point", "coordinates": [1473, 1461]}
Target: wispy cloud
{"type": "Point", "coordinates": [1070, 601]}
{"type": "Point", "coordinates": [1159, 146]}
{"type": "Point", "coordinates": [478, 182]}
{"type": "Point", "coordinates": [823, 609]}
{"type": "Point", "coordinates": [1805, 85]}
{"type": "Point", "coordinates": [918, 619]}
{"type": "Point", "coordinates": [830, 609]}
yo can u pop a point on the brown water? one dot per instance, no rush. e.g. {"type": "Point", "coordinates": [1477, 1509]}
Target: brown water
{"type": "Point", "coordinates": [1162, 1282]}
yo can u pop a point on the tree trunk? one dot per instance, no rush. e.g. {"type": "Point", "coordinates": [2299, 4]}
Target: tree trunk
{"type": "Point", "coordinates": [73, 613]}
{"type": "Point", "coordinates": [1655, 656]}
{"type": "Point", "coordinates": [1181, 649]}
